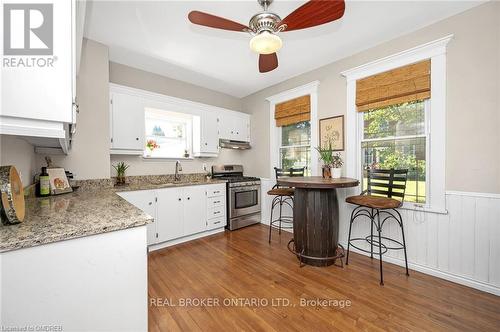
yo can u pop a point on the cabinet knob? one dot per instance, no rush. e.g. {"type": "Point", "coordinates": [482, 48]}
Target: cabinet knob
{"type": "Point", "coordinates": [150, 203]}
{"type": "Point", "coordinates": [189, 198]}
{"type": "Point", "coordinates": [206, 143]}
{"type": "Point", "coordinates": [179, 199]}
{"type": "Point", "coordinates": [137, 138]}
{"type": "Point", "coordinates": [237, 133]}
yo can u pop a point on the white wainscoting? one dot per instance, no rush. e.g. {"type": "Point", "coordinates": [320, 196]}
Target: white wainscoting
{"type": "Point", "coordinates": [462, 246]}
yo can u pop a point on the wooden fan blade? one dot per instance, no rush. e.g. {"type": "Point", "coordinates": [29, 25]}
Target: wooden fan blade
{"type": "Point", "coordinates": [268, 62]}
{"type": "Point", "coordinates": [217, 22]}
{"type": "Point", "coordinates": [313, 13]}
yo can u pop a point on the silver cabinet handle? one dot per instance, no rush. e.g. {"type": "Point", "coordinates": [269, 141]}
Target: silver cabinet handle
{"type": "Point", "coordinates": [216, 212]}
{"type": "Point", "coordinates": [217, 222]}
{"type": "Point", "coordinates": [217, 191]}
{"type": "Point", "coordinates": [215, 202]}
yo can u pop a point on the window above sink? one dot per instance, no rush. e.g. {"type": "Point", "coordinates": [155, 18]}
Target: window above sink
{"type": "Point", "coordinates": [167, 134]}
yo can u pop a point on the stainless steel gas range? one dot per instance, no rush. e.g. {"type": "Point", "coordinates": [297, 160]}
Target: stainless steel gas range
{"type": "Point", "coordinates": [243, 196]}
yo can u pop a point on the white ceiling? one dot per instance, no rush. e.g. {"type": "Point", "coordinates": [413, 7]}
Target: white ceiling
{"type": "Point", "coordinates": [156, 36]}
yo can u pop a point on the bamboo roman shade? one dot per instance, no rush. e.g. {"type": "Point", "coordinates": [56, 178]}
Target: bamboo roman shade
{"type": "Point", "coordinates": [293, 111]}
{"type": "Point", "coordinates": [400, 85]}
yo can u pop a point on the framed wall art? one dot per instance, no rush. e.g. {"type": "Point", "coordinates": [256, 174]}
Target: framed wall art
{"type": "Point", "coordinates": [332, 130]}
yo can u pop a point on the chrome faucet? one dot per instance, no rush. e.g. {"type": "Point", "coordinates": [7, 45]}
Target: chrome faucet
{"type": "Point", "coordinates": [178, 168]}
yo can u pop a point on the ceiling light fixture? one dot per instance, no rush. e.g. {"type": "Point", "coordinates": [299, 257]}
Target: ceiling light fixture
{"type": "Point", "coordinates": [266, 43]}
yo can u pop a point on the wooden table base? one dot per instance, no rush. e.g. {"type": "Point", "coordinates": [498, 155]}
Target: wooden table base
{"type": "Point", "coordinates": [316, 226]}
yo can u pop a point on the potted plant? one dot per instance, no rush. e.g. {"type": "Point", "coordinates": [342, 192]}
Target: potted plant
{"type": "Point", "coordinates": [120, 168]}
{"type": "Point", "coordinates": [326, 156]}
{"type": "Point", "coordinates": [336, 164]}
{"type": "Point", "coordinates": [151, 145]}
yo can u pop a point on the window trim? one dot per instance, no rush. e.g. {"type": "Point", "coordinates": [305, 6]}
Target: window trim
{"type": "Point", "coordinates": [436, 51]}
{"type": "Point", "coordinates": [275, 132]}
{"type": "Point", "coordinates": [426, 135]}
{"type": "Point", "coordinates": [187, 120]}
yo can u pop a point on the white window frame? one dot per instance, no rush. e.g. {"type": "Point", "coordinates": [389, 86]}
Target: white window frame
{"type": "Point", "coordinates": [427, 105]}
{"type": "Point", "coordinates": [185, 118]}
{"type": "Point", "coordinates": [281, 146]}
{"type": "Point", "coordinates": [436, 178]}
{"type": "Point", "coordinates": [310, 89]}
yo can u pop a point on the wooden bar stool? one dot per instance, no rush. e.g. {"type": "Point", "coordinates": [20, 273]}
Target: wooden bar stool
{"type": "Point", "coordinates": [377, 200]}
{"type": "Point", "coordinates": [283, 195]}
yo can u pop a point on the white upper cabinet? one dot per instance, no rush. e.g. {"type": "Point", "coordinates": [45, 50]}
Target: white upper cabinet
{"type": "Point", "coordinates": [234, 126]}
{"type": "Point", "coordinates": [127, 123]}
{"type": "Point", "coordinates": [209, 123]}
{"type": "Point", "coordinates": [205, 135]}
{"type": "Point", "coordinates": [39, 71]}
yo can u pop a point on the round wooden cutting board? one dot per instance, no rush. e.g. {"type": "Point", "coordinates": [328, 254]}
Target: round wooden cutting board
{"type": "Point", "coordinates": [12, 196]}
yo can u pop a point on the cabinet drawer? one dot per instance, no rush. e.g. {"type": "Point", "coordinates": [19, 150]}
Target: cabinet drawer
{"type": "Point", "coordinates": [216, 201]}
{"type": "Point", "coordinates": [216, 190]}
{"type": "Point", "coordinates": [217, 222]}
{"type": "Point", "coordinates": [216, 212]}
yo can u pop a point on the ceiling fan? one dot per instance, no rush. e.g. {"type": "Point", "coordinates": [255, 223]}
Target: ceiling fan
{"type": "Point", "coordinates": [265, 26]}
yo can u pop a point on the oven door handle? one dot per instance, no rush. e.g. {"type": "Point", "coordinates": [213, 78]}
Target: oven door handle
{"type": "Point", "coordinates": [240, 189]}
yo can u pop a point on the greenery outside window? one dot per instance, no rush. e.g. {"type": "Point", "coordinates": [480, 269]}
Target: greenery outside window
{"type": "Point", "coordinates": [168, 134]}
{"type": "Point", "coordinates": [396, 137]}
{"type": "Point", "coordinates": [295, 147]}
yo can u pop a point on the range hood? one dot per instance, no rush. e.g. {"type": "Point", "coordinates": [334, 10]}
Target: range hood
{"type": "Point", "coordinates": [231, 144]}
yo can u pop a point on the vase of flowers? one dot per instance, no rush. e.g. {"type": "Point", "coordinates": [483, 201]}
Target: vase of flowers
{"type": "Point", "coordinates": [120, 169]}
{"type": "Point", "coordinates": [336, 165]}
{"type": "Point", "coordinates": [151, 145]}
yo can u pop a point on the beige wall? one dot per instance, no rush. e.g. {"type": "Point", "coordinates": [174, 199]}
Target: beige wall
{"type": "Point", "coordinates": [15, 151]}
{"type": "Point", "coordinates": [136, 78]}
{"type": "Point", "coordinates": [89, 156]}
{"type": "Point", "coordinates": [473, 104]}
{"type": "Point", "coordinates": [140, 79]}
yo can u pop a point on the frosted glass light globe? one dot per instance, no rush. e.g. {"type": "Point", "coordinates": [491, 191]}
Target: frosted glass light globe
{"type": "Point", "coordinates": [265, 43]}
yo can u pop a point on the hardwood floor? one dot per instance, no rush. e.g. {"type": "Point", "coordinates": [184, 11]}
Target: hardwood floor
{"type": "Point", "coordinates": [241, 266]}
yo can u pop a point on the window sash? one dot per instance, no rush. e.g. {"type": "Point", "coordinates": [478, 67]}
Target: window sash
{"type": "Point", "coordinates": [286, 147]}
{"type": "Point", "coordinates": [427, 137]}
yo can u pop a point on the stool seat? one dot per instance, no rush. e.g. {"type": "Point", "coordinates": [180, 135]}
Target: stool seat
{"type": "Point", "coordinates": [281, 192]}
{"type": "Point", "coordinates": [375, 202]}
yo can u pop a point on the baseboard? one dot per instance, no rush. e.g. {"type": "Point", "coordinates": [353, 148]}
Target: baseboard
{"type": "Point", "coordinates": [437, 273]}
{"type": "Point", "coordinates": [166, 244]}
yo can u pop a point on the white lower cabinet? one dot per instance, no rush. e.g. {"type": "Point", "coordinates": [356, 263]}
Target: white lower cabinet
{"type": "Point", "coordinates": [181, 212]}
{"type": "Point", "coordinates": [144, 200]}
{"type": "Point", "coordinates": [194, 202]}
{"type": "Point", "coordinates": [169, 214]}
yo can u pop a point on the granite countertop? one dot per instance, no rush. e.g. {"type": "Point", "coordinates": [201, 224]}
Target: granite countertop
{"type": "Point", "coordinates": [91, 210]}
{"type": "Point", "coordinates": [159, 185]}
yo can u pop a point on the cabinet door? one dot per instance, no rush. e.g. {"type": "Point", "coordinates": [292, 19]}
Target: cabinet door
{"type": "Point", "coordinates": [170, 214]}
{"type": "Point", "coordinates": [41, 89]}
{"type": "Point", "coordinates": [224, 126]}
{"type": "Point", "coordinates": [127, 122]}
{"type": "Point", "coordinates": [195, 217]}
{"type": "Point", "coordinates": [209, 134]}
{"type": "Point", "coordinates": [242, 128]}
{"type": "Point", "coordinates": [144, 200]}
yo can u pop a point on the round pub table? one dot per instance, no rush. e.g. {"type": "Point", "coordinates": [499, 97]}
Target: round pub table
{"type": "Point", "coordinates": [316, 218]}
